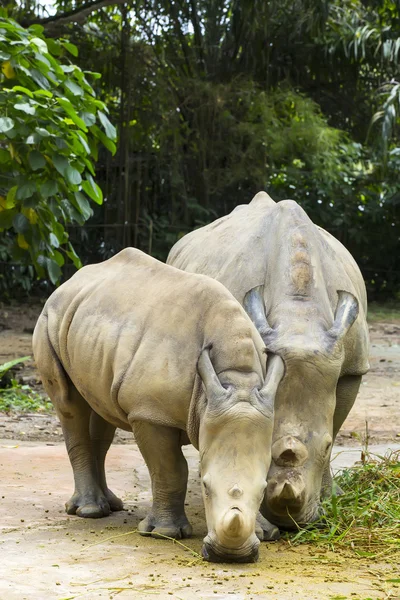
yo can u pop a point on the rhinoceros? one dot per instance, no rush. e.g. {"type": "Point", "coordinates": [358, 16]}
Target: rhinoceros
{"type": "Point", "coordinates": [306, 296]}
{"type": "Point", "coordinates": [136, 344]}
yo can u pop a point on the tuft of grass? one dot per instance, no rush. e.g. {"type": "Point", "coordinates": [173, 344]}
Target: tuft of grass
{"type": "Point", "coordinates": [366, 518]}
{"type": "Point", "coordinates": [21, 398]}
{"type": "Point", "coordinates": [15, 397]}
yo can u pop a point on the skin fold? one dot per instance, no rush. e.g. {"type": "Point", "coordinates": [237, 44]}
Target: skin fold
{"type": "Point", "coordinates": [307, 298]}
{"type": "Point", "coordinates": [136, 344]}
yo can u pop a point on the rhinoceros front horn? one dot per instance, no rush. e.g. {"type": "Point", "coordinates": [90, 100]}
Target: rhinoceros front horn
{"type": "Point", "coordinates": [254, 306]}
{"type": "Point", "coordinates": [212, 385]}
{"type": "Point", "coordinates": [346, 313]}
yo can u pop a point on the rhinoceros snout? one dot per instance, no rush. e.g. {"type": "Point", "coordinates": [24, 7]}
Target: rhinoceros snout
{"type": "Point", "coordinates": [212, 553]}
{"type": "Point", "coordinates": [283, 494]}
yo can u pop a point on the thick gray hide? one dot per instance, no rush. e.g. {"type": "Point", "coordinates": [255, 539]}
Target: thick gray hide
{"type": "Point", "coordinates": [307, 297]}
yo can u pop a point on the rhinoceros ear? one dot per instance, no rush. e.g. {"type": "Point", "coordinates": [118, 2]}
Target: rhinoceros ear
{"type": "Point", "coordinates": [254, 306]}
{"type": "Point", "coordinates": [345, 315]}
{"type": "Point", "coordinates": [212, 385]}
{"type": "Point", "coordinates": [275, 372]}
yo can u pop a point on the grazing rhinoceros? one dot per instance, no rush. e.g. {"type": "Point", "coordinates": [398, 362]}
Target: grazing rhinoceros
{"type": "Point", "coordinates": [136, 344]}
{"type": "Point", "coordinates": [307, 298]}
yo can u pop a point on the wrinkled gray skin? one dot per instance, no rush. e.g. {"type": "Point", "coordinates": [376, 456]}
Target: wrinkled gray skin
{"type": "Point", "coordinates": [306, 296]}
{"type": "Point", "coordinates": [136, 344]}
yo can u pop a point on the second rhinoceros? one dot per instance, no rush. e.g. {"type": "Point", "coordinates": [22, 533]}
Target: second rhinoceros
{"type": "Point", "coordinates": [136, 344]}
{"type": "Point", "coordinates": [307, 297]}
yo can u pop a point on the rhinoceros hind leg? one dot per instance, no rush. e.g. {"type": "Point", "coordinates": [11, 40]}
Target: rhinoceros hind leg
{"type": "Point", "coordinates": [161, 449]}
{"type": "Point", "coordinates": [102, 435]}
{"type": "Point", "coordinates": [266, 531]}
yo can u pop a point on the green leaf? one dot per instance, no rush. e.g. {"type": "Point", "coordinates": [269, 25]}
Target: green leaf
{"type": "Point", "coordinates": [49, 188]}
{"type": "Point", "coordinates": [53, 270]}
{"type": "Point", "coordinates": [84, 141]}
{"type": "Point", "coordinates": [40, 44]}
{"type": "Point", "coordinates": [110, 130]}
{"type": "Point", "coordinates": [73, 176]}
{"type": "Point", "coordinates": [88, 118]}
{"type": "Point", "coordinates": [44, 93]}
{"type": "Point", "coordinates": [71, 48]}
{"type": "Point", "coordinates": [75, 89]}
{"type": "Point", "coordinates": [6, 124]}
{"type": "Point", "coordinates": [38, 29]}
{"type": "Point", "coordinates": [40, 79]}
{"type": "Point", "coordinates": [26, 108]}
{"type": "Point", "coordinates": [19, 88]}
{"type": "Point", "coordinates": [21, 223]}
{"type": "Point", "coordinates": [26, 190]}
{"type": "Point", "coordinates": [69, 109]}
{"type": "Point", "coordinates": [6, 219]}
{"type": "Point", "coordinates": [104, 139]}
{"type": "Point", "coordinates": [54, 240]}
{"type": "Point", "coordinates": [12, 363]}
{"type": "Point", "coordinates": [83, 205]}
{"type": "Point", "coordinates": [36, 160]}
{"type": "Point", "coordinates": [42, 132]}
{"type": "Point", "coordinates": [54, 46]}
{"type": "Point", "coordinates": [4, 55]}
{"type": "Point", "coordinates": [91, 188]}
{"type": "Point", "coordinates": [73, 256]}
{"type": "Point", "coordinates": [58, 257]}
{"type": "Point", "coordinates": [60, 163]}
{"type": "Point", "coordinates": [10, 198]}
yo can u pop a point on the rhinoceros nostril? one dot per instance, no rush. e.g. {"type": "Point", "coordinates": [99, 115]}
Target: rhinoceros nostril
{"type": "Point", "coordinates": [288, 456]}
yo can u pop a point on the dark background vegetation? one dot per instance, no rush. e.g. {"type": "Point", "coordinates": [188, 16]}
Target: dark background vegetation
{"type": "Point", "coordinates": [216, 100]}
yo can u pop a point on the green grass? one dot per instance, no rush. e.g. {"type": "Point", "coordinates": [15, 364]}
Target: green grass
{"type": "Point", "coordinates": [21, 398]}
{"type": "Point", "coordinates": [389, 312]}
{"type": "Point", "coordinates": [366, 518]}
{"type": "Point", "coordinates": [15, 397]}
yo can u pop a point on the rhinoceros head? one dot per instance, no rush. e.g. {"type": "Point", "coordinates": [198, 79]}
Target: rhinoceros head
{"type": "Point", "coordinates": [305, 403]}
{"type": "Point", "coordinates": [234, 458]}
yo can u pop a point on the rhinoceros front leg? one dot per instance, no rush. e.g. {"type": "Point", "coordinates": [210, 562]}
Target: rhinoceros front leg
{"type": "Point", "coordinates": [161, 449]}
{"type": "Point", "coordinates": [101, 436]}
{"type": "Point", "coordinates": [266, 531]}
{"type": "Point", "coordinates": [346, 394]}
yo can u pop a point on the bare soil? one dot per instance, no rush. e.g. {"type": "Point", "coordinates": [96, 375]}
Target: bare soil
{"type": "Point", "coordinates": [47, 554]}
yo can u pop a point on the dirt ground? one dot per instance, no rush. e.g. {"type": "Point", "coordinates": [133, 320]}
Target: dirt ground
{"type": "Point", "coordinates": [47, 554]}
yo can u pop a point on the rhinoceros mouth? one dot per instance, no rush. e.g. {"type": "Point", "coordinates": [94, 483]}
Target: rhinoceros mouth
{"type": "Point", "coordinates": [213, 552]}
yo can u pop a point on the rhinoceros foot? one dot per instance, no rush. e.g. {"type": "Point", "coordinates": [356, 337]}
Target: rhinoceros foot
{"type": "Point", "coordinates": [173, 527]}
{"type": "Point", "coordinates": [115, 503]}
{"type": "Point", "coordinates": [266, 531]}
{"type": "Point", "coordinates": [89, 505]}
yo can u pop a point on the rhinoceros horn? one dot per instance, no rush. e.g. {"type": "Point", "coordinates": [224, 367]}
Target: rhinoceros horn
{"type": "Point", "coordinates": [212, 384]}
{"type": "Point", "coordinates": [275, 372]}
{"type": "Point", "coordinates": [254, 306]}
{"type": "Point", "coordinates": [345, 315]}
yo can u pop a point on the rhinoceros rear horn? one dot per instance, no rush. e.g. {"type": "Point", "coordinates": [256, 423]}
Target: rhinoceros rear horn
{"type": "Point", "coordinates": [212, 384]}
{"type": "Point", "coordinates": [275, 372]}
{"type": "Point", "coordinates": [345, 315]}
{"type": "Point", "coordinates": [254, 306]}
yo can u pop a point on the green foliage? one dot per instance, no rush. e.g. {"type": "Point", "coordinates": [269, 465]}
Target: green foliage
{"type": "Point", "coordinates": [366, 518]}
{"type": "Point", "coordinates": [17, 397]}
{"type": "Point", "coordinates": [49, 139]}
{"type": "Point", "coordinates": [21, 398]}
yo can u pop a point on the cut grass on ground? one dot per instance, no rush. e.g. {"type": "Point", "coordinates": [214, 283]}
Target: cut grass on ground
{"type": "Point", "coordinates": [366, 518]}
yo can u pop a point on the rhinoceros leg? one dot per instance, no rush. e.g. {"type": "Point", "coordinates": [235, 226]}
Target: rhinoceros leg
{"type": "Point", "coordinates": [346, 393]}
{"type": "Point", "coordinates": [161, 450]}
{"type": "Point", "coordinates": [102, 435]}
{"type": "Point", "coordinates": [266, 531]}
{"type": "Point", "coordinates": [88, 499]}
